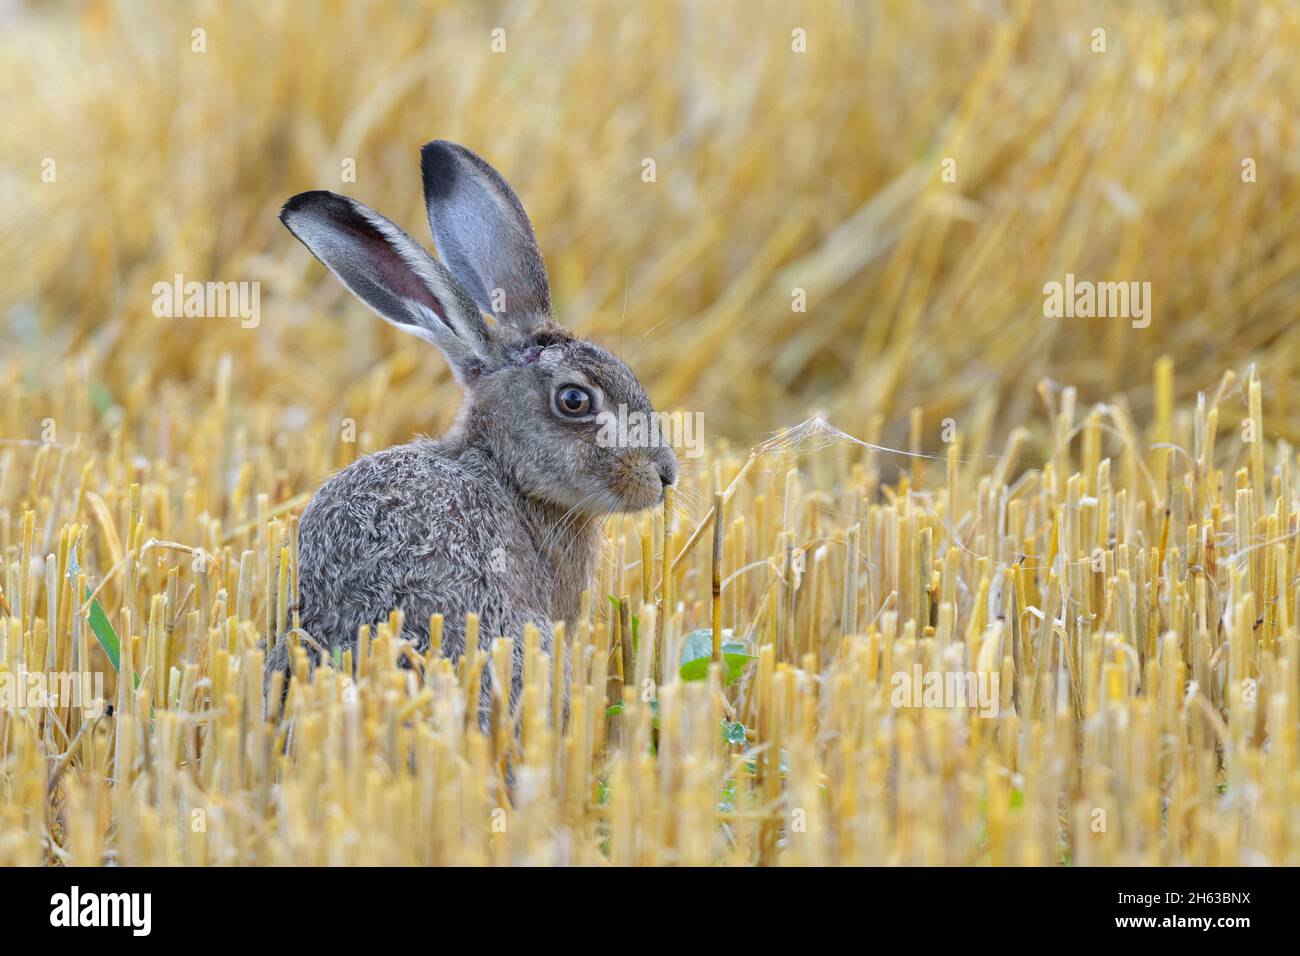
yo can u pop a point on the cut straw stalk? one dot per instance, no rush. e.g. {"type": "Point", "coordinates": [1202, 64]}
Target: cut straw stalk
{"type": "Point", "coordinates": [716, 578]}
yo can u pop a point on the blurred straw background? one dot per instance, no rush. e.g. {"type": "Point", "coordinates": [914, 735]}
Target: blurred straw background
{"type": "Point", "coordinates": [775, 171]}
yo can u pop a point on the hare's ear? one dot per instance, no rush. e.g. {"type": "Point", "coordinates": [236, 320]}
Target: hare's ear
{"type": "Point", "coordinates": [393, 274]}
{"type": "Point", "coordinates": [484, 236]}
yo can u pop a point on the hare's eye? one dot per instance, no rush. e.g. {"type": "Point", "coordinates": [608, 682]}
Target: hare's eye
{"type": "Point", "coordinates": [573, 401]}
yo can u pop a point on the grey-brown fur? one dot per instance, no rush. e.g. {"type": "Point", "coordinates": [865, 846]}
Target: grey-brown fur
{"type": "Point", "coordinates": [501, 516]}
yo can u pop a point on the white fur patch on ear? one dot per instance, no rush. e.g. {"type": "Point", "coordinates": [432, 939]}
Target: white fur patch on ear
{"type": "Point", "coordinates": [550, 359]}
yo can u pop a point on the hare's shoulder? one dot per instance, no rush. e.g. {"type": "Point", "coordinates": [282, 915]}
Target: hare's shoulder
{"type": "Point", "coordinates": [417, 494]}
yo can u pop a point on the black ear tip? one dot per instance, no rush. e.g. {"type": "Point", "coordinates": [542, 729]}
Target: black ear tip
{"type": "Point", "coordinates": [438, 167]}
{"type": "Point", "coordinates": [320, 202]}
{"type": "Point", "coordinates": [313, 199]}
{"type": "Point", "coordinates": [293, 205]}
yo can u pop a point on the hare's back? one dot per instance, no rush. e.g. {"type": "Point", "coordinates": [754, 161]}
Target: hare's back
{"type": "Point", "coordinates": [412, 528]}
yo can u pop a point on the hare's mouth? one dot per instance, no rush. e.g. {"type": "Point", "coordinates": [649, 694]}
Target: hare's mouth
{"type": "Point", "coordinates": [641, 502]}
{"type": "Point", "coordinates": [639, 481]}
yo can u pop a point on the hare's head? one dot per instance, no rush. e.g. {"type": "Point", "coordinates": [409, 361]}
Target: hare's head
{"type": "Point", "coordinates": [551, 409]}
